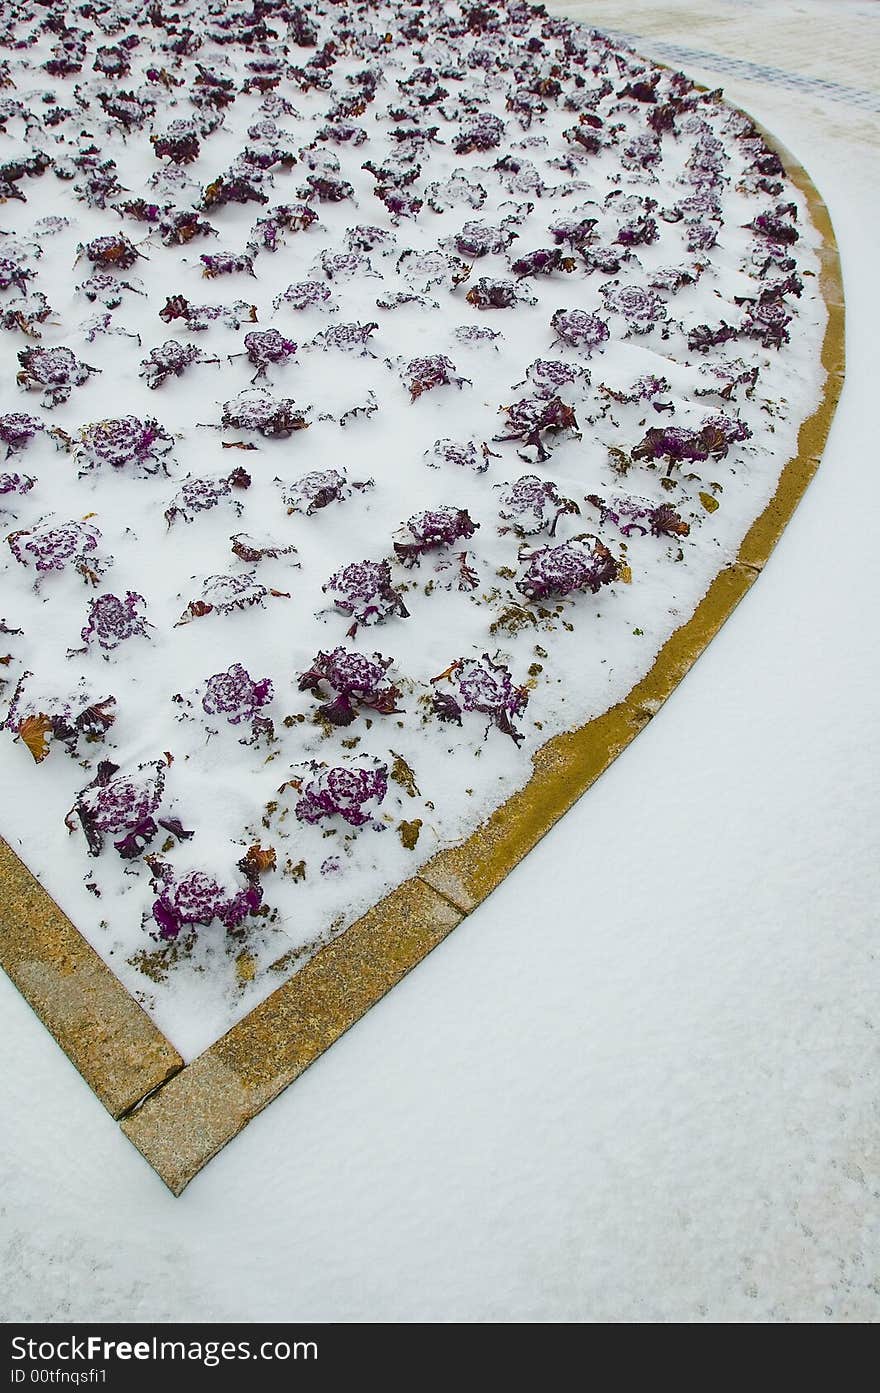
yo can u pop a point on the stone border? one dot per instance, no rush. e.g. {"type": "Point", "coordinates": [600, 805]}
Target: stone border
{"type": "Point", "coordinates": [179, 1116]}
{"type": "Point", "coordinates": [100, 1027]}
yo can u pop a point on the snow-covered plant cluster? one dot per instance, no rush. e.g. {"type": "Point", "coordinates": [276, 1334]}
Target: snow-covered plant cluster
{"type": "Point", "coordinates": [385, 383]}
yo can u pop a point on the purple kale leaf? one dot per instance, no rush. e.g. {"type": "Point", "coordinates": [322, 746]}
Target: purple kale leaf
{"type": "Point", "coordinates": [363, 590]}
{"type": "Point", "coordinates": [579, 329]}
{"type": "Point", "coordinates": [111, 620]}
{"type": "Point", "coordinates": [319, 488]}
{"type": "Point", "coordinates": [354, 792]}
{"type": "Point", "coordinates": [54, 372]}
{"type": "Point", "coordinates": [304, 295]}
{"type": "Point", "coordinates": [490, 293]}
{"type": "Point", "coordinates": [542, 262]}
{"type": "Point", "coordinates": [112, 253]}
{"type": "Point", "coordinates": [17, 430]}
{"type": "Point", "coordinates": [641, 516]}
{"type": "Point", "coordinates": [583, 563]}
{"type": "Point", "coordinates": [350, 338]}
{"type": "Point", "coordinates": [531, 504]}
{"type": "Point", "coordinates": [34, 714]}
{"type": "Point", "coordinates": [225, 594]}
{"type": "Point", "coordinates": [356, 681]}
{"type": "Point", "coordinates": [485, 132]}
{"type": "Point", "coordinates": [463, 454]}
{"type": "Point", "coordinates": [16, 483]}
{"type": "Point", "coordinates": [226, 264]}
{"type": "Point", "coordinates": [120, 803]}
{"type": "Point", "coordinates": [529, 417]}
{"type": "Point", "coordinates": [645, 388]}
{"type": "Point", "coordinates": [264, 414]}
{"type": "Point", "coordinates": [197, 898]}
{"type": "Point", "coordinates": [124, 443]}
{"type": "Point", "coordinates": [776, 226]}
{"type": "Point", "coordinates": [267, 234]}
{"type": "Point", "coordinates": [677, 444]}
{"type": "Point", "coordinates": [484, 686]}
{"type": "Point", "coordinates": [548, 376]}
{"type": "Point", "coordinates": [433, 530]}
{"type": "Point", "coordinates": [235, 695]}
{"type": "Point", "coordinates": [200, 495]}
{"type": "Point", "coordinates": [641, 308]}
{"type": "Point", "coordinates": [265, 347]}
{"type": "Point", "coordinates": [423, 374]}
{"type": "Point", "coordinates": [49, 548]}
{"type": "Point", "coordinates": [171, 359]}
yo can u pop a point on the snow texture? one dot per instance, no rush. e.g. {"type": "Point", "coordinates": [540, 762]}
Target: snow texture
{"type": "Point", "coordinates": [639, 1083]}
{"type": "Point", "coordinates": [645, 259]}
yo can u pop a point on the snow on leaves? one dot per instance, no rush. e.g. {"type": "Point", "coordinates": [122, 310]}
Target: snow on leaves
{"type": "Point", "coordinates": [497, 200]}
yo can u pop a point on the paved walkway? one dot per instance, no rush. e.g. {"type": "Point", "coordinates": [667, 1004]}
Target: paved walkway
{"type": "Point", "coordinates": [813, 46]}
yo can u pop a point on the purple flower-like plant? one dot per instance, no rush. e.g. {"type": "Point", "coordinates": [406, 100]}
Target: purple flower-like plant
{"type": "Point", "coordinates": [171, 359]}
{"type": "Point", "coordinates": [225, 594]}
{"type": "Point", "coordinates": [478, 239]}
{"type": "Point", "coordinates": [353, 792]}
{"type": "Point", "coordinates": [583, 563]}
{"type": "Point", "coordinates": [484, 686]}
{"type": "Point", "coordinates": [264, 347]}
{"type": "Point", "coordinates": [768, 321]}
{"type": "Point", "coordinates": [350, 338]}
{"type": "Point", "coordinates": [54, 372]}
{"type": "Point", "coordinates": [226, 264]}
{"type": "Point", "coordinates": [676, 444]}
{"type": "Point", "coordinates": [645, 388]}
{"type": "Point", "coordinates": [200, 495]}
{"type": "Point", "coordinates": [363, 590]}
{"type": "Point", "coordinates": [264, 415]}
{"type": "Point", "coordinates": [319, 488]}
{"type": "Point", "coordinates": [640, 516]}
{"type": "Point", "coordinates": [304, 295]}
{"type": "Point", "coordinates": [16, 483]}
{"type": "Point", "coordinates": [124, 443]}
{"type": "Point", "coordinates": [436, 370]}
{"type": "Point", "coordinates": [641, 308]}
{"type": "Point", "coordinates": [197, 898]}
{"type": "Point", "coordinates": [530, 417]}
{"type": "Point", "coordinates": [463, 454]}
{"type": "Point", "coordinates": [706, 336]}
{"type": "Point", "coordinates": [355, 680]}
{"type": "Point", "coordinates": [542, 262]}
{"type": "Point", "coordinates": [123, 803]}
{"type": "Point", "coordinates": [235, 695]}
{"type": "Point", "coordinates": [32, 716]}
{"type": "Point", "coordinates": [17, 430]}
{"type": "Point", "coordinates": [433, 530]}
{"type": "Point", "coordinates": [176, 229]}
{"type": "Point", "coordinates": [198, 318]}
{"type": "Point", "coordinates": [579, 329]}
{"type": "Point", "coordinates": [267, 234]}
{"type": "Point", "coordinates": [490, 293]}
{"type": "Point", "coordinates": [49, 548]}
{"type": "Point", "coordinates": [111, 621]}
{"type": "Point", "coordinates": [112, 253]}
{"type": "Point", "coordinates": [548, 377]}
{"type": "Point", "coordinates": [776, 227]}
{"type": "Point", "coordinates": [531, 504]}
{"type": "Point", "coordinates": [483, 133]}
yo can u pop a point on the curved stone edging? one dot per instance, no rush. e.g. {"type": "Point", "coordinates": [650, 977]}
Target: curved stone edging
{"type": "Point", "coordinates": [178, 1116]}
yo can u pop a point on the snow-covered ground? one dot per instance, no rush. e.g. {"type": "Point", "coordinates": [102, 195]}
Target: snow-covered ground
{"type": "Point", "coordinates": [638, 1083]}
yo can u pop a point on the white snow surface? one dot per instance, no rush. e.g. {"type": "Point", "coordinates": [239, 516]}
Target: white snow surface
{"type": "Point", "coordinates": [639, 1083]}
{"type": "Point", "coordinates": [577, 658]}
